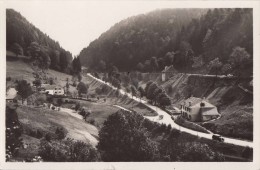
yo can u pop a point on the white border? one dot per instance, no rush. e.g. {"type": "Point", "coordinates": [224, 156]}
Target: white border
{"type": "Point", "coordinates": [152, 166]}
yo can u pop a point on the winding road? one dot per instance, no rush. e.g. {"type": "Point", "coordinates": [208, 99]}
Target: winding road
{"type": "Point", "coordinates": [167, 119]}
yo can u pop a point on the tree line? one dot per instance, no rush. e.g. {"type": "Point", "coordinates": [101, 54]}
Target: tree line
{"type": "Point", "coordinates": [218, 41]}
{"type": "Point", "coordinates": [23, 38]}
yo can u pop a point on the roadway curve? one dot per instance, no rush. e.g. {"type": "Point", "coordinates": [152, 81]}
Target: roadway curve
{"type": "Point", "coordinates": [167, 119]}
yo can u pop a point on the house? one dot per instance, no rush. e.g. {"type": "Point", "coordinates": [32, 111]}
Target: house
{"type": "Point", "coordinates": [197, 109]}
{"type": "Point", "coordinates": [168, 72]}
{"type": "Point", "coordinates": [53, 90]}
{"type": "Point", "coordinates": [11, 95]}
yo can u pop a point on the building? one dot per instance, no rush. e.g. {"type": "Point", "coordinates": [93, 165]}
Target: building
{"type": "Point", "coordinates": [53, 90]}
{"type": "Point", "coordinates": [197, 109]}
{"type": "Point", "coordinates": [11, 95]}
{"type": "Point", "coordinates": [168, 72]}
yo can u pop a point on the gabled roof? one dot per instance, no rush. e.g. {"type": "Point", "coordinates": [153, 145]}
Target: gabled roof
{"type": "Point", "coordinates": [209, 111]}
{"type": "Point", "coordinates": [11, 93]}
{"type": "Point", "coordinates": [194, 102]}
{"type": "Point", "coordinates": [206, 104]}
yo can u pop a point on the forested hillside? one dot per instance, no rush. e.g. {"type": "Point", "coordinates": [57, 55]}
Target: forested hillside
{"type": "Point", "coordinates": [23, 38]}
{"type": "Point", "coordinates": [209, 40]}
{"type": "Point", "coordinates": [137, 39]}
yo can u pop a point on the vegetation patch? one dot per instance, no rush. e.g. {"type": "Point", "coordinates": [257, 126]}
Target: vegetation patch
{"type": "Point", "coordinates": [190, 125]}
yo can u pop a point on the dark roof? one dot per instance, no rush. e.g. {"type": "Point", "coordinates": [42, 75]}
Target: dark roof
{"type": "Point", "coordinates": [195, 102]}
{"type": "Point", "coordinates": [191, 101]}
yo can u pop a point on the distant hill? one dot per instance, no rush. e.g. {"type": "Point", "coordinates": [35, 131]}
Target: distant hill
{"type": "Point", "coordinates": [187, 38]}
{"type": "Point", "coordinates": [22, 36]}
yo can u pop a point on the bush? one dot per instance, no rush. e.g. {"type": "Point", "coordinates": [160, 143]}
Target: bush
{"type": "Point", "coordinates": [68, 151]}
{"type": "Point", "coordinates": [41, 98]}
{"type": "Point", "coordinates": [48, 137]}
{"type": "Point", "coordinates": [39, 134]}
{"type": "Point", "coordinates": [60, 133]}
{"type": "Point", "coordinates": [77, 106]}
{"type": "Point", "coordinates": [190, 125]}
{"type": "Point", "coordinates": [59, 102]}
{"type": "Point", "coordinates": [91, 121]}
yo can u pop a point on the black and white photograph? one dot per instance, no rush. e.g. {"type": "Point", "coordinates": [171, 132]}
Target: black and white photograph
{"type": "Point", "coordinates": [129, 81]}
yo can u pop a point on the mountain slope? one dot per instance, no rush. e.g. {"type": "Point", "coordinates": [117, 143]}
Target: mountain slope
{"type": "Point", "coordinates": [187, 38]}
{"type": "Point", "coordinates": [137, 38]}
{"type": "Point", "coordinates": [22, 37]}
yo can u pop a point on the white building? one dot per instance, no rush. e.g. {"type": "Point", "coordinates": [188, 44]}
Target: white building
{"type": "Point", "coordinates": [11, 94]}
{"type": "Point", "coordinates": [197, 109]}
{"type": "Point", "coordinates": [54, 90]}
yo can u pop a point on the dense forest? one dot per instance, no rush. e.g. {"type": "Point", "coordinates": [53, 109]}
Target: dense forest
{"type": "Point", "coordinates": [198, 40]}
{"type": "Point", "coordinates": [23, 38]}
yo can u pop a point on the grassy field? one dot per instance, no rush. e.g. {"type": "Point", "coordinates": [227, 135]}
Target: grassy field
{"type": "Point", "coordinates": [99, 111]}
{"type": "Point", "coordinates": [18, 70]}
{"type": "Point", "coordinates": [47, 121]}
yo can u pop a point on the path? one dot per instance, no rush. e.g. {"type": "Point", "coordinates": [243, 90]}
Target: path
{"type": "Point", "coordinates": [167, 119]}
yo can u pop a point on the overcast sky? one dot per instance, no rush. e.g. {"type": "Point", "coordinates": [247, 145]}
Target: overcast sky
{"type": "Point", "coordinates": [74, 24]}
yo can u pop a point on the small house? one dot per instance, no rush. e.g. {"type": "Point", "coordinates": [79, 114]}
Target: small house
{"type": "Point", "coordinates": [54, 90]}
{"type": "Point", "coordinates": [197, 109]}
{"type": "Point", "coordinates": [11, 95]}
{"type": "Point", "coordinates": [168, 72]}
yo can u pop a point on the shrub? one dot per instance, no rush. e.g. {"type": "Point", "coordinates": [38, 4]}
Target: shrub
{"type": "Point", "coordinates": [91, 121]}
{"type": "Point", "coordinates": [48, 137]}
{"type": "Point", "coordinates": [68, 151]}
{"type": "Point", "coordinates": [60, 133]}
{"type": "Point", "coordinates": [41, 99]}
{"type": "Point", "coordinates": [197, 152]}
{"type": "Point", "coordinates": [59, 101]}
{"type": "Point", "coordinates": [77, 106]}
{"type": "Point", "coordinates": [39, 134]}
{"type": "Point", "coordinates": [190, 125]}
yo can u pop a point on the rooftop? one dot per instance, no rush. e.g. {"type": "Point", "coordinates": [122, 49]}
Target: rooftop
{"type": "Point", "coordinates": [51, 87]}
{"type": "Point", "coordinates": [209, 112]}
{"type": "Point", "coordinates": [11, 93]}
{"type": "Point", "coordinates": [195, 102]}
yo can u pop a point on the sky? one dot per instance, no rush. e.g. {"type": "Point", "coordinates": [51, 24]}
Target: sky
{"type": "Point", "coordinates": [74, 24]}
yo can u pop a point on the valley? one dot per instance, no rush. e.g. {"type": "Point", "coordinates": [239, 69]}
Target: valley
{"type": "Point", "coordinates": [170, 85]}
